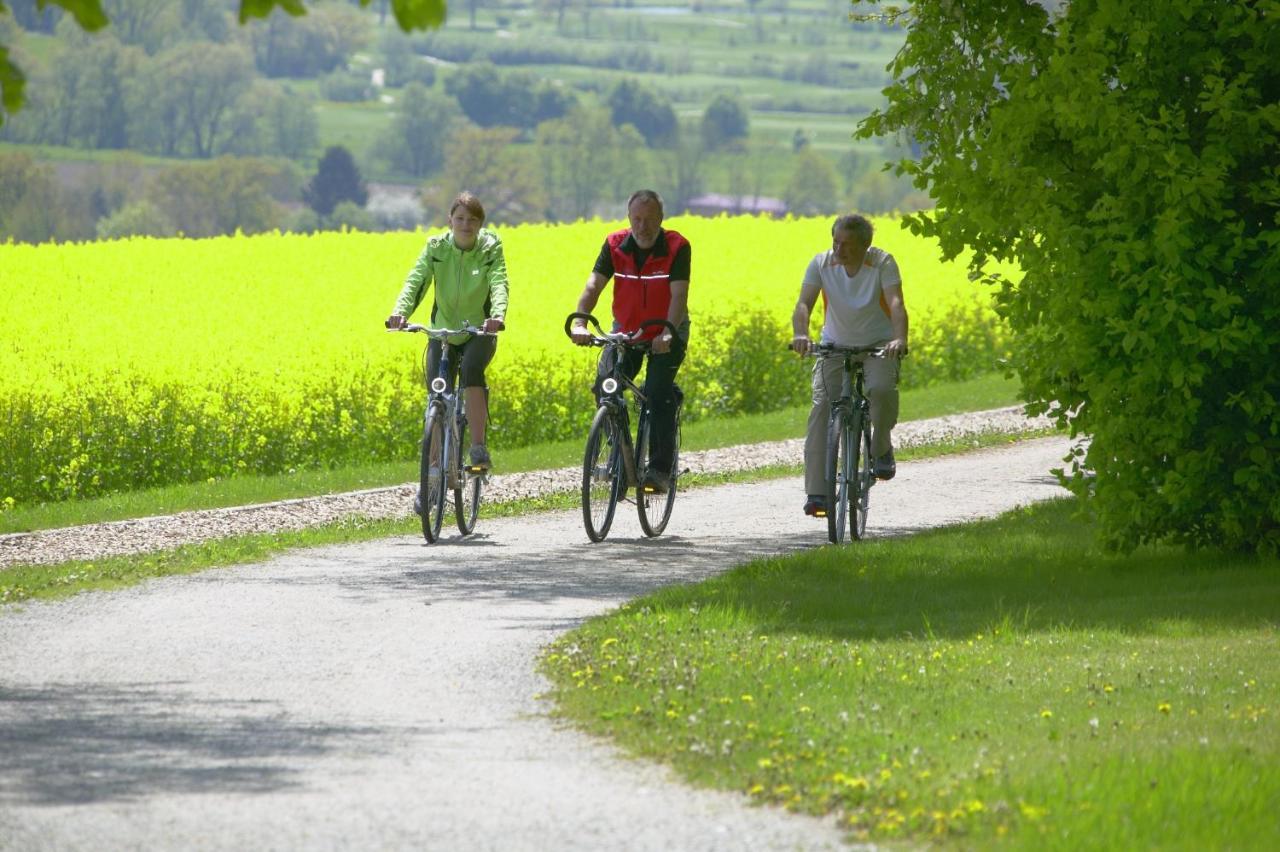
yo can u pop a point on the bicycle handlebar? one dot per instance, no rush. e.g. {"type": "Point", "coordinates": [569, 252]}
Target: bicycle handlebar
{"type": "Point", "coordinates": [600, 337]}
{"type": "Point", "coordinates": [442, 333]}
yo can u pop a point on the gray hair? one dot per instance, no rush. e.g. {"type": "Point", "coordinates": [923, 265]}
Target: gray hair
{"type": "Point", "coordinates": [645, 195]}
{"type": "Point", "coordinates": [858, 225]}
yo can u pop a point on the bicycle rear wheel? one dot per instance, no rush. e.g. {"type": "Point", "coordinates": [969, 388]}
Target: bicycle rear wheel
{"type": "Point", "coordinates": [655, 509]}
{"type": "Point", "coordinates": [837, 476]}
{"type": "Point", "coordinates": [602, 475]}
{"type": "Point", "coordinates": [468, 489]}
{"type": "Point", "coordinates": [431, 480]}
{"type": "Point", "coordinates": [860, 466]}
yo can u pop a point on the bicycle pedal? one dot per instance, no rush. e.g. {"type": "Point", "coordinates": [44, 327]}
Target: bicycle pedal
{"type": "Point", "coordinates": [820, 513]}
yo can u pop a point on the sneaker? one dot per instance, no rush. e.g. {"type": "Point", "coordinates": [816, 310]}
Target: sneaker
{"type": "Point", "coordinates": [480, 457]}
{"type": "Point", "coordinates": [816, 506]}
{"type": "Point", "coordinates": [885, 466]}
{"type": "Point", "coordinates": [656, 482]}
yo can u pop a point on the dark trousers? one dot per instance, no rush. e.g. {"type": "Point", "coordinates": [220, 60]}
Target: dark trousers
{"type": "Point", "coordinates": [659, 389]}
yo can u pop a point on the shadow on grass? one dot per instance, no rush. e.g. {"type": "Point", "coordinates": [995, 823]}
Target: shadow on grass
{"type": "Point", "coordinates": [63, 744]}
{"type": "Point", "coordinates": [1036, 569]}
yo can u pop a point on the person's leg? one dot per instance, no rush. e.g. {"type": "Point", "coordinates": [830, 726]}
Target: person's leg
{"type": "Point", "coordinates": [881, 387]}
{"type": "Point", "coordinates": [828, 373]}
{"type": "Point", "coordinates": [659, 390]}
{"type": "Point", "coordinates": [476, 355]}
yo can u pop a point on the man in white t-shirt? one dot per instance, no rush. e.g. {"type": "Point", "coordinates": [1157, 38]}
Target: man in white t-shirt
{"type": "Point", "coordinates": [861, 292]}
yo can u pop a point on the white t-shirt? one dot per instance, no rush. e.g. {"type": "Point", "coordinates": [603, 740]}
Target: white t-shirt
{"type": "Point", "coordinates": [855, 314]}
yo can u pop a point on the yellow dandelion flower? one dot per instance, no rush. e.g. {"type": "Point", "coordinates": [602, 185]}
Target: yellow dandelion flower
{"type": "Point", "coordinates": [1046, 713]}
{"type": "Point", "coordinates": [1165, 707]}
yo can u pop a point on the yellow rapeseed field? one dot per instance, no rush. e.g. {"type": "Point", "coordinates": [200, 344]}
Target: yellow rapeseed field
{"type": "Point", "coordinates": [142, 362]}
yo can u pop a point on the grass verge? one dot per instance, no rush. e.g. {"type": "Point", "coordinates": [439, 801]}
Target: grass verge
{"type": "Point", "coordinates": [996, 683]}
{"type": "Point", "coordinates": [991, 391]}
{"type": "Point", "coordinates": [35, 582]}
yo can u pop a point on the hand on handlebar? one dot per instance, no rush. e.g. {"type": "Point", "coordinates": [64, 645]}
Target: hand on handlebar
{"type": "Point", "coordinates": [801, 345]}
{"type": "Point", "coordinates": [493, 325]}
{"type": "Point", "coordinates": [581, 335]}
{"type": "Point", "coordinates": [395, 321]}
{"type": "Point", "coordinates": [896, 348]}
{"type": "Point", "coordinates": [661, 344]}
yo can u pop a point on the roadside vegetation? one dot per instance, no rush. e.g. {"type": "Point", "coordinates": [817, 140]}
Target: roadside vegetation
{"type": "Point", "coordinates": [1004, 683]}
{"type": "Point", "coordinates": [54, 581]}
{"type": "Point", "coordinates": [183, 361]}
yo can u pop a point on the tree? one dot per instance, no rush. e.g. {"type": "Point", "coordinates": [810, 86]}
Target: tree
{"type": "Point", "coordinates": [1124, 154]}
{"type": "Point", "coordinates": [217, 197]}
{"type": "Point", "coordinates": [486, 162]}
{"type": "Point", "coordinates": [725, 122]}
{"type": "Point", "coordinates": [491, 98]}
{"type": "Point", "coordinates": [184, 99]}
{"type": "Point", "coordinates": [89, 15]}
{"type": "Point", "coordinates": [811, 191]}
{"type": "Point", "coordinates": [336, 179]}
{"type": "Point", "coordinates": [415, 141]}
{"type": "Point", "coordinates": [634, 104]}
{"type": "Point", "coordinates": [141, 218]}
{"type": "Point", "coordinates": [579, 155]}
{"type": "Point", "coordinates": [31, 206]}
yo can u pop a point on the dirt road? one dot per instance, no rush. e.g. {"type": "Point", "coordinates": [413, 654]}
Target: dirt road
{"type": "Point", "coordinates": [382, 695]}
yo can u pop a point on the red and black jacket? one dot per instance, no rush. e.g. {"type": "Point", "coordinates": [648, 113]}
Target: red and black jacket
{"type": "Point", "coordinates": [642, 293]}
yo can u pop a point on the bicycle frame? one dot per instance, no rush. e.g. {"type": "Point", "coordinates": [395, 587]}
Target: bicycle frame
{"type": "Point", "coordinates": [849, 439]}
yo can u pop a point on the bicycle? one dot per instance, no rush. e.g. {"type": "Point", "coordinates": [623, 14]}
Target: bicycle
{"type": "Point", "coordinates": [444, 425]}
{"type": "Point", "coordinates": [850, 466]}
{"type": "Point", "coordinates": [611, 465]}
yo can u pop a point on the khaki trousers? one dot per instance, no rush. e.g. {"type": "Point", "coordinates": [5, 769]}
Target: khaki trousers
{"type": "Point", "coordinates": [881, 388]}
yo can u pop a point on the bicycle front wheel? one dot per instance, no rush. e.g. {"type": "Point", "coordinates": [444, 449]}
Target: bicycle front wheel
{"type": "Point", "coordinates": [860, 466]}
{"type": "Point", "coordinates": [431, 477]}
{"type": "Point", "coordinates": [655, 509]}
{"type": "Point", "coordinates": [602, 475]}
{"type": "Point", "coordinates": [467, 490]}
{"type": "Point", "coordinates": [837, 476]}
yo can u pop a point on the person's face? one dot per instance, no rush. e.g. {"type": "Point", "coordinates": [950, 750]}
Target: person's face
{"type": "Point", "coordinates": [646, 221]}
{"type": "Point", "coordinates": [847, 248]}
{"type": "Point", "coordinates": [465, 226]}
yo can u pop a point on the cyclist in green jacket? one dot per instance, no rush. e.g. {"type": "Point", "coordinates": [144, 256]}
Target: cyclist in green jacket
{"type": "Point", "coordinates": [470, 274]}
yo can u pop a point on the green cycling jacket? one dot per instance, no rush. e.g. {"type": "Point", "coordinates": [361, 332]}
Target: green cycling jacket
{"type": "Point", "coordinates": [470, 285]}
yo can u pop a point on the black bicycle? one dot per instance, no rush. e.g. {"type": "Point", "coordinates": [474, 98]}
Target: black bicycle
{"type": "Point", "coordinates": [444, 426]}
{"type": "Point", "coordinates": [850, 466]}
{"type": "Point", "coordinates": [611, 466]}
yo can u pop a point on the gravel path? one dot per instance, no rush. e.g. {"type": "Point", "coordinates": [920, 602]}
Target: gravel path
{"type": "Point", "coordinates": [382, 695]}
{"type": "Point", "coordinates": [95, 541]}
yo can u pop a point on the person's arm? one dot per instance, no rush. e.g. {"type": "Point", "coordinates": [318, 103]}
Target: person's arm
{"type": "Point", "coordinates": [586, 303]}
{"type": "Point", "coordinates": [415, 288]}
{"type": "Point", "coordinates": [677, 313]}
{"type": "Point", "coordinates": [891, 289]}
{"type": "Point", "coordinates": [497, 291]}
{"type": "Point", "coordinates": [897, 347]}
{"type": "Point", "coordinates": [800, 317]}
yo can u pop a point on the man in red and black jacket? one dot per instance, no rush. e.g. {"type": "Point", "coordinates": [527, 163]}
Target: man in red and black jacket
{"type": "Point", "coordinates": [650, 268]}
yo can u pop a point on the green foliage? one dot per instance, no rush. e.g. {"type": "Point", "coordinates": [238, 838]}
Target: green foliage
{"type": "Point", "coordinates": [630, 102]}
{"type": "Point", "coordinates": [415, 142]}
{"type": "Point", "coordinates": [812, 187]}
{"type": "Point", "coordinates": [725, 122]}
{"type": "Point", "coordinates": [1127, 155]}
{"type": "Point", "coordinates": [220, 196]}
{"type": "Point", "coordinates": [336, 179]}
{"type": "Point", "coordinates": [485, 161]}
{"type": "Point", "coordinates": [491, 98]}
{"type": "Point", "coordinates": [140, 218]}
{"type": "Point", "coordinates": [31, 205]}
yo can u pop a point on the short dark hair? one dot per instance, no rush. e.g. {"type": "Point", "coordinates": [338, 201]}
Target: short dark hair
{"type": "Point", "coordinates": [645, 195]}
{"type": "Point", "coordinates": [858, 224]}
{"type": "Point", "coordinates": [470, 202]}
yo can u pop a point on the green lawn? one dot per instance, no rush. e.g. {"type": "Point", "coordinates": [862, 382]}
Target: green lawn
{"type": "Point", "coordinates": [1004, 683]}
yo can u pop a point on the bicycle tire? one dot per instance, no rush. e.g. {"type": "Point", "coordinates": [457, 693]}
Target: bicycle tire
{"type": "Point", "coordinates": [431, 484]}
{"type": "Point", "coordinates": [468, 489]}
{"type": "Point", "coordinates": [655, 509]}
{"type": "Point", "coordinates": [602, 475]}
{"type": "Point", "coordinates": [837, 476]}
{"type": "Point", "coordinates": [860, 465]}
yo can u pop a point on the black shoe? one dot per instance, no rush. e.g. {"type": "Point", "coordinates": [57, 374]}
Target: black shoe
{"type": "Point", "coordinates": [656, 482]}
{"type": "Point", "coordinates": [885, 466]}
{"type": "Point", "coordinates": [480, 457]}
{"type": "Point", "coordinates": [417, 505]}
{"type": "Point", "coordinates": [816, 506]}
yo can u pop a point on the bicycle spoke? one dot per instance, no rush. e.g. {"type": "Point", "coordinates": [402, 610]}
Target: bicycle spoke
{"type": "Point", "coordinates": [602, 475]}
